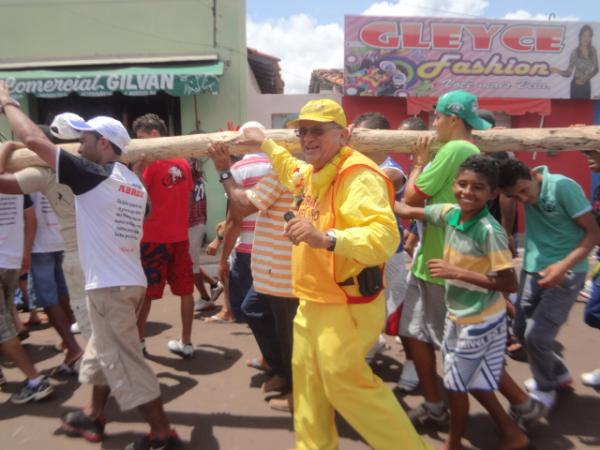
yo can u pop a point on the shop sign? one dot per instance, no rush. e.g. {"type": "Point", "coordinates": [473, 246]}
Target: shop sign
{"type": "Point", "coordinates": [408, 56]}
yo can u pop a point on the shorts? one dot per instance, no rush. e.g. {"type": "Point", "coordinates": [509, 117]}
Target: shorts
{"type": "Point", "coordinates": [395, 275]}
{"type": "Point", "coordinates": [423, 312]}
{"type": "Point", "coordinates": [77, 298]}
{"type": "Point", "coordinates": [48, 278]}
{"type": "Point", "coordinates": [167, 263]}
{"type": "Point", "coordinates": [196, 237]}
{"type": "Point", "coordinates": [473, 354]}
{"type": "Point", "coordinates": [113, 356]}
{"type": "Point", "coordinates": [9, 278]}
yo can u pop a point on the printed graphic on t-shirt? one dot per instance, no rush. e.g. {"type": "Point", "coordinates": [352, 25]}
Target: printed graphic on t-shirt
{"type": "Point", "coordinates": [173, 177]}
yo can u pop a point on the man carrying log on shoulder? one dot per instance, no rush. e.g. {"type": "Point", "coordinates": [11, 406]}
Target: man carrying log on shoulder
{"type": "Point", "coordinates": [106, 191]}
{"type": "Point", "coordinates": [343, 232]}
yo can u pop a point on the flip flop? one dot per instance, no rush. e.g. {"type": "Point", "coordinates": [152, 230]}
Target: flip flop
{"type": "Point", "coordinates": [218, 319]}
{"type": "Point", "coordinates": [67, 369]}
{"type": "Point", "coordinates": [256, 364]}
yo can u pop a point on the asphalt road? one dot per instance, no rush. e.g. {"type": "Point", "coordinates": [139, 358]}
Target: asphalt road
{"type": "Point", "coordinates": [215, 401]}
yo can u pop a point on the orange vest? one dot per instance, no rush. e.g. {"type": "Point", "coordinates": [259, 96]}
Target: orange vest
{"type": "Point", "coordinates": [316, 271]}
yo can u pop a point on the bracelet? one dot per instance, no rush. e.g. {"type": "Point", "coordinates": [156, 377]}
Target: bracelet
{"type": "Point", "coordinates": [11, 102]}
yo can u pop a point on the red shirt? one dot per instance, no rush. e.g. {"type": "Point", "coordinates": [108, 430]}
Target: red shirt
{"type": "Point", "coordinates": [169, 184]}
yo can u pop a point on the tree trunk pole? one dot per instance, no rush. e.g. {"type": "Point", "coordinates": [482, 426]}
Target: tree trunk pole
{"type": "Point", "coordinates": [366, 141]}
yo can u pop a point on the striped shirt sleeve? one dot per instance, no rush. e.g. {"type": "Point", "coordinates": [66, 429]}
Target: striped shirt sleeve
{"type": "Point", "coordinates": [497, 250]}
{"type": "Point", "coordinates": [266, 192]}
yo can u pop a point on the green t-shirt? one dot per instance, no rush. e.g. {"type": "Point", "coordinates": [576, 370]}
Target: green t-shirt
{"type": "Point", "coordinates": [479, 245]}
{"type": "Point", "coordinates": [435, 183]}
{"type": "Point", "coordinates": [551, 232]}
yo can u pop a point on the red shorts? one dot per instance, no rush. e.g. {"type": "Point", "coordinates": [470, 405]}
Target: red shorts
{"type": "Point", "coordinates": [170, 263]}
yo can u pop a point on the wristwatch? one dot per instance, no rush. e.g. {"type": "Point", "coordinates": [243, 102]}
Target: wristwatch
{"type": "Point", "coordinates": [10, 101]}
{"type": "Point", "coordinates": [225, 175]}
{"type": "Point", "coordinates": [332, 239]}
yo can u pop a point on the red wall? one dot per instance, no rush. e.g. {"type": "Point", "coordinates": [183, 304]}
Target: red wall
{"type": "Point", "coordinates": [564, 113]}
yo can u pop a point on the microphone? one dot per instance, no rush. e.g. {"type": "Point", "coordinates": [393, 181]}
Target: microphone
{"type": "Point", "coordinates": [288, 216]}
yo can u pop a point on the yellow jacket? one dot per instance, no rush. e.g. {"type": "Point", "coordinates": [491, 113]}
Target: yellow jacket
{"type": "Point", "coordinates": [351, 196]}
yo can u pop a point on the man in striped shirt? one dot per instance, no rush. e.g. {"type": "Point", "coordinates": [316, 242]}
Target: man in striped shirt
{"type": "Point", "coordinates": [271, 310]}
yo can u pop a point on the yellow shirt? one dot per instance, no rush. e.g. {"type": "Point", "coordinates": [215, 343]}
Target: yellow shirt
{"type": "Point", "coordinates": [355, 201]}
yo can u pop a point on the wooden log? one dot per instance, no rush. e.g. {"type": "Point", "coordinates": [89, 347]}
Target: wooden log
{"type": "Point", "coordinates": [366, 141]}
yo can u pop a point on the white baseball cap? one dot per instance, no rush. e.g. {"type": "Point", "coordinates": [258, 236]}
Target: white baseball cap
{"type": "Point", "coordinates": [252, 124]}
{"type": "Point", "coordinates": [109, 128]}
{"type": "Point", "coordinates": [60, 128]}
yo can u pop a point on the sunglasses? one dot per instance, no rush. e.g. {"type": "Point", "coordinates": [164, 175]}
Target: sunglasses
{"type": "Point", "coordinates": [315, 131]}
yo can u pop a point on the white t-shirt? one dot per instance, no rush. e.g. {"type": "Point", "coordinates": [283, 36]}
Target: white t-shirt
{"type": "Point", "coordinates": [246, 173]}
{"type": "Point", "coordinates": [43, 179]}
{"type": "Point", "coordinates": [47, 232]}
{"type": "Point", "coordinates": [12, 232]}
{"type": "Point", "coordinates": [110, 204]}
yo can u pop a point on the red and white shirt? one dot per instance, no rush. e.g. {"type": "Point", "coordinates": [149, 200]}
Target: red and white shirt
{"type": "Point", "coordinates": [246, 173]}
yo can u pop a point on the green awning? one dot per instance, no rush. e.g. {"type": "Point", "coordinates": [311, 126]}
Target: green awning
{"type": "Point", "coordinates": [176, 80]}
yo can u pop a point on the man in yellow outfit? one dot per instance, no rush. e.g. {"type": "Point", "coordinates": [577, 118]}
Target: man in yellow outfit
{"type": "Point", "coordinates": [343, 232]}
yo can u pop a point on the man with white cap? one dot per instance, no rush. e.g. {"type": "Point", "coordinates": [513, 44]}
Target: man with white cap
{"type": "Point", "coordinates": [110, 206]}
{"type": "Point", "coordinates": [60, 196]}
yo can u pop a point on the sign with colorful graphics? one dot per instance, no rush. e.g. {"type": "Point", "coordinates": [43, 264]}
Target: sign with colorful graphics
{"type": "Point", "coordinates": [414, 56]}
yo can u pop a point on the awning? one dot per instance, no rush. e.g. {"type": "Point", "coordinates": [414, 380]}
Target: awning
{"type": "Point", "coordinates": [177, 80]}
{"type": "Point", "coordinates": [510, 106]}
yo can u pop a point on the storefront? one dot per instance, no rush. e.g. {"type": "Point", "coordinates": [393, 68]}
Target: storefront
{"type": "Point", "coordinates": [531, 74]}
{"type": "Point", "coordinates": [123, 92]}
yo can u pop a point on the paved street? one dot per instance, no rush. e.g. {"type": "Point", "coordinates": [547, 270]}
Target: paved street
{"type": "Point", "coordinates": [215, 400]}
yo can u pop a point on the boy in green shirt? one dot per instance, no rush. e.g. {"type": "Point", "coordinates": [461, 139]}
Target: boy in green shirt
{"type": "Point", "coordinates": [560, 232]}
{"type": "Point", "coordinates": [476, 266]}
{"type": "Point", "coordinates": [424, 311]}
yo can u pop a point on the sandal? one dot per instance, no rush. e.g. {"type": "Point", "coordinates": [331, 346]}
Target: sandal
{"type": "Point", "coordinates": [218, 319]}
{"type": "Point", "coordinates": [67, 368]}
{"type": "Point", "coordinates": [517, 352]}
{"type": "Point", "coordinates": [256, 363]}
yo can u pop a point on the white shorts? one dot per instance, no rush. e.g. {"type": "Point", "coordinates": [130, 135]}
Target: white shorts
{"type": "Point", "coordinates": [473, 355]}
{"type": "Point", "coordinates": [196, 237]}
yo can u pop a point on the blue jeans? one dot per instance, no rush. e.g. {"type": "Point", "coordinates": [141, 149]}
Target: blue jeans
{"type": "Point", "coordinates": [261, 321]}
{"type": "Point", "coordinates": [591, 315]}
{"type": "Point", "coordinates": [48, 278]}
{"type": "Point", "coordinates": [540, 312]}
{"type": "Point", "coordinates": [240, 282]}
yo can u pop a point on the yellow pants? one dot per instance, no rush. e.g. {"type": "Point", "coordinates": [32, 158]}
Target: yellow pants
{"type": "Point", "coordinates": [330, 373]}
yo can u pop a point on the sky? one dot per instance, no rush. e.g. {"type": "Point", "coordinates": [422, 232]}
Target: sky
{"type": "Point", "coordinates": [309, 34]}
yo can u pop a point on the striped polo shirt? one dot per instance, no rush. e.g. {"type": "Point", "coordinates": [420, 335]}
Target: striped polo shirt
{"type": "Point", "coordinates": [272, 250]}
{"type": "Point", "coordinates": [246, 173]}
{"type": "Point", "coordinates": [479, 245]}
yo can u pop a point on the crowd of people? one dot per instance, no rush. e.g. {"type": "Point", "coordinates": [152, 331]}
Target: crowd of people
{"type": "Point", "coordinates": [314, 256]}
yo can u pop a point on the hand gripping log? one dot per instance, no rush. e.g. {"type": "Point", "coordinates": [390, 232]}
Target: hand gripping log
{"type": "Point", "coordinates": [364, 140]}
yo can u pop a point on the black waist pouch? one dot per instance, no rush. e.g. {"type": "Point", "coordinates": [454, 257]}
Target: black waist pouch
{"type": "Point", "coordinates": [370, 281]}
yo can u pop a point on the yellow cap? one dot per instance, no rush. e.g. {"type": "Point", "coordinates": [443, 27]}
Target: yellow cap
{"type": "Point", "coordinates": [322, 110]}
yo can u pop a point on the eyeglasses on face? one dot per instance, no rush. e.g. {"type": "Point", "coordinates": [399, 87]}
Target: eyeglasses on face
{"type": "Point", "coordinates": [315, 131]}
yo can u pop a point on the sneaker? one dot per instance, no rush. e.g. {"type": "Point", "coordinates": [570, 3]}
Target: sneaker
{"type": "Point", "coordinates": [284, 403]}
{"type": "Point", "coordinates": [181, 349]}
{"type": "Point", "coordinates": [546, 398]}
{"type": "Point", "coordinates": [423, 414]}
{"type": "Point", "coordinates": [591, 379]}
{"type": "Point", "coordinates": [409, 380]}
{"type": "Point", "coordinates": [76, 423]}
{"type": "Point", "coordinates": [379, 346]}
{"type": "Point", "coordinates": [149, 443]}
{"type": "Point", "coordinates": [29, 393]}
{"type": "Point", "coordinates": [525, 417]}
{"type": "Point", "coordinates": [215, 291]}
{"type": "Point", "coordinates": [203, 305]}
{"type": "Point", "coordinates": [564, 381]}
{"type": "Point", "coordinates": [75, 328]}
